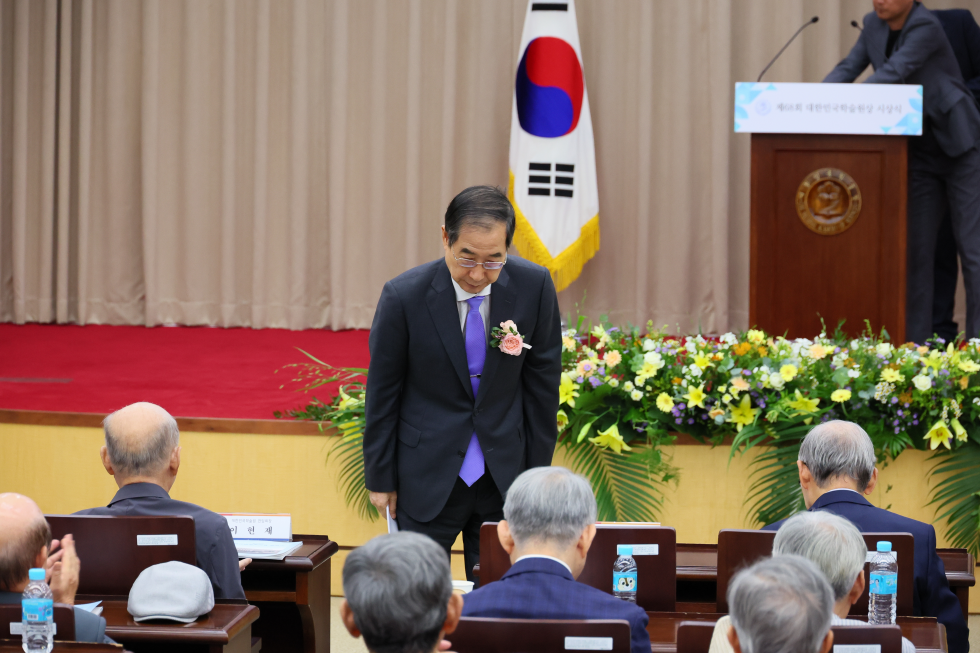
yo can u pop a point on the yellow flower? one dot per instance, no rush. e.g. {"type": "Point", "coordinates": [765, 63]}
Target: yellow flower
{"type": "Point", "coordinates": [346, 401]}
{"type": "Point", "coordinates": [969, 366]}
{"type": "Point", "coordinates": [562, 420]}
{"type": "Point", "coordinates": [803, 404]}
{"type": "Point", "coordinates": [892, 376]}
{"type": "Point", "coordinates": [740, 384]}
{"type": "Point", "coordinates": [934, 361]}
{"type": "Point", "coordinates": [840, 396]}
{"type": "Point", "coordinates": [788, 372]}
{"type": "Point", "coordinates": [743, 414]}
{"type": "Point", "coordinates": [612, 358]}
{"type": "Point", "coordinates": [763, 351]}
{"type": "Point", "coordinates": [742, 348]}
{"type": "Point", "coordinates": [938, 435]}
{"type": "Point", "coordinates": [567, 391]}
{"type": "Point", "coordinates": [702, 361]}
{"type": "Point", "coordinates": [726, 398]}
{"type": "Point", "coordinates": [958, 430]}
{"type": "Point", "coordinates": [568, 344]}
{"type": "Point", "coordinates": [818, 351]}
{"type": "Point", "coordinates": [755, 336]}
{"type": "Point", "coordinates": [664, 402]}
{"type": "Point", "coordinates": [695, 396]}
{"type": "Point", "coordinates": [610, 439]}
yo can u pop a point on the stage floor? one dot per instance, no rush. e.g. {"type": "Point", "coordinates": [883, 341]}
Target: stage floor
{"type": "Point", "coordinates": [191, 371]}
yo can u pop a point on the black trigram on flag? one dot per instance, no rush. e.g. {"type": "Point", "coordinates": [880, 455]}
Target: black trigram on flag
{"type": "Point", "coordinates": [540, 180]}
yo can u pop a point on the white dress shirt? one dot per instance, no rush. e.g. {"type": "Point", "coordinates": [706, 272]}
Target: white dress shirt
{"type": "Point", "coordinates": [561, 562]}
{"type": "Point", "coordinates": [464, 308]}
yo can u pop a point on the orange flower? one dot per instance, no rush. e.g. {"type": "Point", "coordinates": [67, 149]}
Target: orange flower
{"type": "Point", "coordinates": [676, 380]}
{"type": "Point", "coordinates": [905, 398]}
{"type": "Point", "coordinates": [965, 381]}
{"type": "Point", "coordinates": [763, 351]}
{"type": "Point", "coordinates": [742, 348]}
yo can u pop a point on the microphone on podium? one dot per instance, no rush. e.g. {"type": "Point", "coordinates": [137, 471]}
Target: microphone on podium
{"type": "Point", "coordinates": [805, 25]}
{"type": "Point", "coordinates": [854, 23]}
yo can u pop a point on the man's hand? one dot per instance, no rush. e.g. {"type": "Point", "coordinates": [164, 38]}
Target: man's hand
{"type": "Point", "coordinates": [382, 500]}
{"type": "Point", "coordinates": [243, 563]}
{"type": "Point", "coordinates": [445, 645]}
{"type": "Point", "coordinates": [64, 567]}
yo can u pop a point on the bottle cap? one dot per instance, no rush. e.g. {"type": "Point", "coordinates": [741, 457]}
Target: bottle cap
{"type": "Point", "coordinates": [624, 549]}
{"type": "Point", "coordinates": [35, 574]}
{"type": "Point", "coordinates": [884, 546]}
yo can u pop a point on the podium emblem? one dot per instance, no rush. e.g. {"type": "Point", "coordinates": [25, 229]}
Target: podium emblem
{"type": "Point", "coordinates": [828, 201]}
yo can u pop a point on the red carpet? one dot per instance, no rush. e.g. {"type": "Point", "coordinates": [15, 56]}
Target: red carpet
{"type": "Point", "coordinates": [190, 371]}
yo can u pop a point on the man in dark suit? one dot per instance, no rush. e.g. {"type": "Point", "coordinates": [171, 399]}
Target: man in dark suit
{"type": "Point", "coordinates": [25, 543]}
{"type": "Point", "coordinates": [837, 468]}
{"type": "Point", "coordinates": [549, 526]}
{"type": "Point", "coordinates": [963, 34]}
{"type": "Point", "coordinates": [453, 416]}
{"type": "Point", "coordinates": [905, 44]}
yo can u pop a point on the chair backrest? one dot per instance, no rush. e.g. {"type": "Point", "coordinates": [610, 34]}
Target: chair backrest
{"type": "Point", "coordinates": [64, 619]}
{"type": "Point", "coordinates": [655, 552]}
{"type": "Point", "coordinates": [694, 636]}
{"type": "Point", "coordinates": [903, 545]}
{"type": "Point", "coordinates": [114, 550]}
{"type": "Point", "coordinates": [889, 638]}
{"type": "Point", "coordinates": [486, 635]}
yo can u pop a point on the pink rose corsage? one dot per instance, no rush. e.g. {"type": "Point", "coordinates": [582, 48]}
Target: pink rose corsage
{"type": "Point", "coordinates": [507, 339]}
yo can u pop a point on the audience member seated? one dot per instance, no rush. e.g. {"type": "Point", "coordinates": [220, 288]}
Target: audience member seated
{"type": "Point", "coordinates": [837, 467]}
{"type": "Point", "coordinates": [835, 545]}
{"type": "Point", "coordinates": [399, 594]}
{"type": "Point", "coordinates": [142, 453]}
{"type": "Point", "coordinates": [780, 604]}
{"type": "Point", "coordinates": [25, 543]}
{"type": "Point", "coordinates": [549, 523]}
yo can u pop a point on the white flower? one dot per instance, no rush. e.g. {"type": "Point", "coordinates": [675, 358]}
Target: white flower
{"type": "Point", "coordinates": [613, 382]}
{"type": "Point", "coordinates": [855, 373]}
{"type": "Point", "coordinates": [776, 380]}
{"type": "Point", "coordinates": [636, 395]}
{"type": "Point", "coordinates": [922, 382]}
{"type": "Point", "coordinates": [648, 345]}
{"type": "Point", "coordinates": [694, 370]}
{"type": "Point", "coordinates": [883, 348]}
{"type": "Point", "coordinates": [855, 344]}
{"type": "Point", "coordinates": [729, 339]}
{"type": "Point", "coordinates": [628, 386]}
{"type": "Point", "coordinates": [654, 359]}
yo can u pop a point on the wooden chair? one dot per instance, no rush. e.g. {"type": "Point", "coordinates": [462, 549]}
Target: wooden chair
{"type": "Point", "coordinates": [694, 636]}
{"type": "Point", "coordinates": [64, 619]}
{"type": "Point", "coordinates": [889, 638]}
{"type": "Point", "coordinates": [656, 574]}
{"type": "Point", "coordinates": [903, 545]}
{"type": "Point", "coordinates": [114, 550]}
{"type": "Point", "coordinates": [486, 635]}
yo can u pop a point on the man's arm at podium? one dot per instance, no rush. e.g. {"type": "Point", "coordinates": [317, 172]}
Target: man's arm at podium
{"type": "Point", "coordinates": [922, 40]}
{"type": "Point", "coordinates": [852, 65]}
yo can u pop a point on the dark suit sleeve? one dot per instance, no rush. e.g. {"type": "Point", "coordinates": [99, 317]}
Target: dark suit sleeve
{"type": "Point", "coordinates": [939, 601]}
{"type": "Point", "coordinates": [852, 65]}
{"type": "Point", "coordinates": [541, 376]}
{"type": "Point", "coordinates": [639, 636]}
{"type": "Point", "coordinates": [971, 38]}
{"type": "Point", "coordinates": [226, 577]}
{"type": "Point", "coordinates": [921, 42]}
{"type": "Point", "coordinates": [388, 343]}
{"type": "Point", "coordinates": [90, 628]}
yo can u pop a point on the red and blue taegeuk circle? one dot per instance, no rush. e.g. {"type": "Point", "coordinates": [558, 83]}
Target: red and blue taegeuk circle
{"type": "Point", "coordinates": [549, 88]}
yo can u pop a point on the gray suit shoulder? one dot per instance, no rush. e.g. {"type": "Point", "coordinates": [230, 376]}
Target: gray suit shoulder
{"type": "Point", "coordinates": [89, 627]}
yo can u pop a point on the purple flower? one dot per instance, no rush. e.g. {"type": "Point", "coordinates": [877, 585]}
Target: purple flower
{"type": "Point", "coordinates": [587, 367]}
{"type": "Point", "coordinates": [704, 415]}
{"type": "Point", "coordinates": [895, 423]}
{"type": "Point", "coordinates": [595, 381]}
{"type": "Point", "coordinates": [690, 420]}
{"type": "Point", "coordinates": [894, 400]}
{"type": "Point", "coordinates": [836, 350]}
{"type": "Point", "coordinates": [897, 430]}
{"type": "Point", "coordinates": [678, 421]}
{"type": "Point", "coordinates": [900, 413]}
{"type": "Point", "coordinates": [944, 372]}
{"type": "Point", "coordinates": [681, 406]}
{"type": "Point", "coordinates": [746, 373]}
{"type": "Point", "coordinates": [602, 371]}
{"type": "Point", "coordinates": [760, 384]}
{"type": "Point", "coordinates": [762, 403]}
{"type": "Point", "coordinates": [915, 422]}
{"type": "Point", "coordinates": [579, 380]}
{"type": "Point", "coordinates": [906, 405]}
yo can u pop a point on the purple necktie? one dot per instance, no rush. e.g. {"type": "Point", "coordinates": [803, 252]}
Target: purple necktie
{"type": "Point", "coordinates": [476, 355]}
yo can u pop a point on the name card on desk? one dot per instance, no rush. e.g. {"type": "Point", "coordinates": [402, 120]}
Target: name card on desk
{"type": "Point", "coordinates": [787, 108]}
{"type": "Point", "coordinates": [257, 526]}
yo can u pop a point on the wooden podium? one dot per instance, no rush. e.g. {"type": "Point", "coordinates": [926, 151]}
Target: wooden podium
{"type": "Point", "coordinates": [853, 272]}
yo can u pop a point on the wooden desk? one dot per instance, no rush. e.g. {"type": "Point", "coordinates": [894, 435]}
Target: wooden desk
{"type": "Point", "coordinates": [14, 646]}
{"type": "Point", "coordinates": [294, 597]}
{"type": "Point", "coordinates": [227, 629]}
{"type": "Point", "coordinates": [697, 574]}
{"type": "Point", "coordinates": [925, 633]}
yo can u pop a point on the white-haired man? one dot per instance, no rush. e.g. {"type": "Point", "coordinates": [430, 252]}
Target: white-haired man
{"type": "Point", "coordinates": [142, 454]}
{"type": "Point", "coordinates": [837, 469]}
{"type": "Point", "coordinates": [548, 527]}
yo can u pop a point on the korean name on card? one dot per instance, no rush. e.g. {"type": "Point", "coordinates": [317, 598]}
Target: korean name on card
{"type": "Point", "coordinates": [256, 526]}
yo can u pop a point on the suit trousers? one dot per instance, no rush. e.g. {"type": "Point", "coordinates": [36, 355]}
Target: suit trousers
{"type": "Point", "coordinates": [465, 511]}
{"type": "Point", "coordinates": [938, 183]}
{"type": "Point", "coordinates": [946, 274]}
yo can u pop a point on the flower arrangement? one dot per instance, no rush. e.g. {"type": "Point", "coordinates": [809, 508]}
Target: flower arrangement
{"type": "Point", "coordinates": [625, 393]}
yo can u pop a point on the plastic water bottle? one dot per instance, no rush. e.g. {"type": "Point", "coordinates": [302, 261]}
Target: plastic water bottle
{"type": "Point", "coordinates": [624, 574]}
{"type": "Point", "coordinates": [37, 614]}
{"type": "Point", "coordinates": [883, 592]}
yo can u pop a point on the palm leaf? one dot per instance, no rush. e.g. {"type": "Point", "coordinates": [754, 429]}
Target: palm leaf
{"type": "Point", "coordinates": [775, 487]}
{"type": "Point", "coordinates": [957, 493]}
{"type": "Point", "coordinates": [350, 479]}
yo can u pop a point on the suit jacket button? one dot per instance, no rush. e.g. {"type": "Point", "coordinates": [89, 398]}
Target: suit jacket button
{"type": "Point", "coordinates": [461, 454]}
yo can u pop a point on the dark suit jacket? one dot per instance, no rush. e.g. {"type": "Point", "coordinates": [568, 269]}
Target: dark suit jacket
{"type": "Point", "coordinates": [420, 409]}
{"type": "Point", "coordinates": [538, 588]}
{"type": "Point", "coordinates": [922, 55]}
{"type": "Point", "coordinates": [214, 546]}
{"type": "Point", "coordinates": [88, 627]}
{"type": "Point", "coordinates": [963, 35]}
{"type": "Point", "coordinates": [932, 596]}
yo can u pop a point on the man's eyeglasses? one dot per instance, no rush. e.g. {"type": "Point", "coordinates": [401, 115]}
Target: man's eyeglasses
{"type": "Point", "coordinates": [470, 263]}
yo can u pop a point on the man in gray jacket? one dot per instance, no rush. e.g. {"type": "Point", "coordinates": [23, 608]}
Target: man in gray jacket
{"type": "Point", "coordinates": [905, 44]}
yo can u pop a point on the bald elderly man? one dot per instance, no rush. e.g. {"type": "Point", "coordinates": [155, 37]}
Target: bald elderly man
{"type": "Point", "coordinates": [25, 543]}
{"type": "Point", "coordinates": [142, 453]}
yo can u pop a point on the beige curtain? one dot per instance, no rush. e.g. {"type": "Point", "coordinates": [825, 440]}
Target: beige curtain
{"type": "Point", "coordinates": [271, 163]}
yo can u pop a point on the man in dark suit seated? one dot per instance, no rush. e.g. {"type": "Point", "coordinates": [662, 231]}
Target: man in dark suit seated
{"type": "Point", "coordinates": [399, 594]}
{"type": "Point", "coordinates": [142, 454]}
{"type": "Point", "coordinates": [549, 523]}
{"type": "Point", "coordinates": [837, 467]}
{"type": "Point", "coordinates": [25, 543]}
